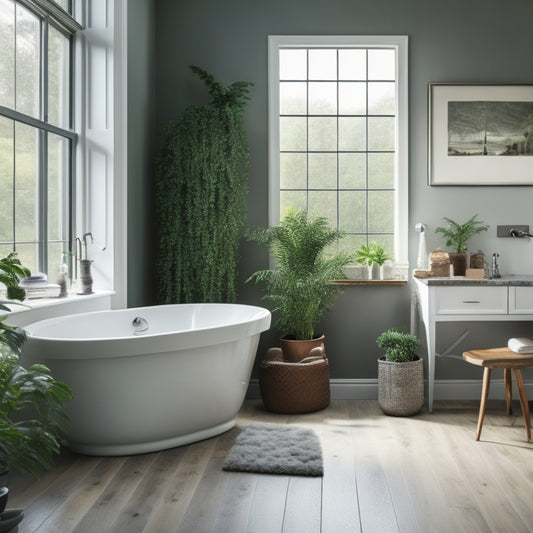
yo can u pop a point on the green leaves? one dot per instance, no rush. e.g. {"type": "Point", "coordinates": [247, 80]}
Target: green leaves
{"type": "Point", "coordinates": [201, 187]}
{"type": "Point", "coordinates": [299, 287]}
{"type": "Point", "coordinates": [458, 235]}
{"type": "Point", "coordinates": [372, 253]}
{"type": "Point", "coordinates": [401, 347]}
{"type": "Point", "coordinates": [11, 272]}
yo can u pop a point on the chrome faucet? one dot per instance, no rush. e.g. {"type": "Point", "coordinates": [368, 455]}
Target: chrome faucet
{"type": "Point", "coordinates": [495, 267]}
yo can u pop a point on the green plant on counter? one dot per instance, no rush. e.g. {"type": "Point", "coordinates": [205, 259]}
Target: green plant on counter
{"type": "Point", "coordinates": [457, 235]}
{"type": "Point", "coordinates": [11, 272]}
{"type": "Point", "coordinates": [299, 285]}
{"type": "Point", "coordinates": [400, 346]}
{"type": "Point", "coordinates": [201, 187]}
{"type": "Point", "coordinates": [372, 253]}
{"type": "Point", "coordinates": [31, 407]}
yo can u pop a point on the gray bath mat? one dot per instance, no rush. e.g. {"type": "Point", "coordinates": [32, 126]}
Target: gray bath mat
{"type": "Point", "coordinates": [276, 449]}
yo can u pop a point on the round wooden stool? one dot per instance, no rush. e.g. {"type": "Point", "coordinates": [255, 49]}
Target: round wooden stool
{"type": "Point", "coordinates": [506, 359]}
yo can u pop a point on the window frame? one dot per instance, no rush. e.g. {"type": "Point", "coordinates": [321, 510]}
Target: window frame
{"type": "Point", "coordinates": [400, 44]}
{"type": "Point", "coordinates": [49, 15]}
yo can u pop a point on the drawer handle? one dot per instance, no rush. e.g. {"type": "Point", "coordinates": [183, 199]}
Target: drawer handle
{"type": "Point", "coordinates": [471, 301]}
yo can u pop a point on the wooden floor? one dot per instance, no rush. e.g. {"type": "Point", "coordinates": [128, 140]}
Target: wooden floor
{"type": "Point", "coordinates": [382, 474]}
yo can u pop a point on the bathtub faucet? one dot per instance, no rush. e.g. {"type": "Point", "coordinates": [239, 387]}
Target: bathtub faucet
{"type": "Point", "coordinates": [140, 325]}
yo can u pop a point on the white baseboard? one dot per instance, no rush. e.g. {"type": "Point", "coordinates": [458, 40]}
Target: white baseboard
{"type": "Point", "coordinates": [445, 389]}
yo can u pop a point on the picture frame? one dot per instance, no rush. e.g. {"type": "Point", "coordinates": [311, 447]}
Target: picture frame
{"type": "Point", "coordinates": [480, 134]}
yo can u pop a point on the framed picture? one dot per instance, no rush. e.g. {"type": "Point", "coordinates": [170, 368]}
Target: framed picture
{"type": "Point", "coordinates": [480, 134]}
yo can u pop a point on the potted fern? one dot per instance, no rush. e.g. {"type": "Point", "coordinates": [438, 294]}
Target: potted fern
{"type": "Point", "coordinates": [31, 413]}
{"type": "Point", "coordinates": [400, 374]}
{"type": "Point", "coordinates": [457, 237]}
{"type": "Point", "coordinates": [299, 286]}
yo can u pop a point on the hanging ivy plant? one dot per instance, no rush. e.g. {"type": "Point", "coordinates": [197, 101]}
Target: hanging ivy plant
{"type": "Point", "coordinates": [201, 197]}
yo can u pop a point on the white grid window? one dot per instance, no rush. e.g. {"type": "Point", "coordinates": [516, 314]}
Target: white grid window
{"type": "Point", "coordinates": [338, 135]}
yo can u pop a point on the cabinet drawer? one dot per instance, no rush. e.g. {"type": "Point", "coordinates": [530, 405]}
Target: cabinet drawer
{"type": "Point", "coordinates": [521, 300]}
{"type": "Point", "coordinates": [471, 300]}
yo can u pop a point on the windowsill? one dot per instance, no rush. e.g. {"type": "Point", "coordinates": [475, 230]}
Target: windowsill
{"type": "Point", "coordinates": [36, 309]}
{"type": "Point", "coordinates": [369, 282]}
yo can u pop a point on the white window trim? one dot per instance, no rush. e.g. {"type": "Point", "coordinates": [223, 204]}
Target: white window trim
{"type": "Point", "coordinates": [400, 43]}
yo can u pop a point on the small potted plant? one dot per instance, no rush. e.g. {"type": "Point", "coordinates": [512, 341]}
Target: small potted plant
{"type": "Point", "coordinates": [31, 412]}
{"type": "Point", "coordinates": [400, 374]}
{"type": "Point", "coordinates": [299, 286]}
{"type": "Point", "coordinates": [372, 254]}
{"type": "Point", "coordinates": [11, 272]}
{"type": "Point", "coordinates": [457, 237]}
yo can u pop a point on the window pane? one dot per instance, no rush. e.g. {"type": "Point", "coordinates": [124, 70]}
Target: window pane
{"type": "Point", "coordinates": [352, 98]}
{"type": "Point", "coordinates": [6, 179]}
{"type": "Point", "coordinates": [322, 64]}
{"type": "Point", "coordinates": [58, 195]}
{"type": "Point", "coordinates": [7, 53]}
{"type": "Point", "coordinates": [350, 243]}
{"type": "Point", "coordinates": [381, 133]}
{"type": "Point", "coordinates": [352, 171]}
{"type": "Point", "coordinates": [322, 171]}
{"type": "Point", "coordinates": [352, 64]}
{"type": "Point", "coordinates": [27, 253]}
{"type": "Point", "coordinates": [294, 199]}
{"type": "Point", "coordinates": [293, 171]}
{"type": "Point", "coordinates": [293, 98]}
{"type": "Point", "coordinates": [293, 134]}
{"type": "Point", "coordinates": [352, 211]}
{"type": "Point", "coordinates": [322, 134]}
{"type": "Point", "coordinates": [58, 78]}
{"type": "Point", "coordinates": [381, 98]}
{"type": "Point", "coordinates": [352, 134]}
{"type": "Point", "coordinates": [55, 259]}
{"type": "Point", "coordinates": [27, 62]}
{"type": "Point", "coordinates": [26, 150]}
{"type": "Point", "coordinates": [381, 212]}
{"type": "Point", "coordinates": [380, 171]}
{"type": "Point", "coordinates": [293, 64]}
{"type": "Point", "coordinates": [381, 65]}
{"type": "Point", "coordinates": [324, 204]}
{"type": "Point", "coordinates": [323, 98]}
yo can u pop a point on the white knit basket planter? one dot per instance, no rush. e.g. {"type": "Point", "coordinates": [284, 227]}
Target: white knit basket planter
{"type": "Point", "coordinates": [400, 387]}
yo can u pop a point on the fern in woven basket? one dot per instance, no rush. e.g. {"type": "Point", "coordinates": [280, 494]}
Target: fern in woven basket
{"type": "Point", "coordinates": [400, 346]}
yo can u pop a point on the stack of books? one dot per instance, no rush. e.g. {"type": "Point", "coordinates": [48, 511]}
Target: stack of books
{"type": "Point", "coordinates": [37, 286]}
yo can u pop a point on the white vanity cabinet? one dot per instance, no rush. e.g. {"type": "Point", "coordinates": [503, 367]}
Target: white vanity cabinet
{"type": "Point", "coordinates": [460, 300]}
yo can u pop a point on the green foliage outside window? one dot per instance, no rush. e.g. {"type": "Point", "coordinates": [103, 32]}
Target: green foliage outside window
{"type": "Point", "coordinates": [201, 197]}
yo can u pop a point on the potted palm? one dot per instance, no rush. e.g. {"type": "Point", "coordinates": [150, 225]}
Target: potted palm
{"type": "Point", "coordinates": [400, 374]}
{"type": "Point", "coordinates": [31, 413]}
{"type": "Point", "coordinates": [299, 286]}
{"type": "Point", "coordinates": [457, 237]}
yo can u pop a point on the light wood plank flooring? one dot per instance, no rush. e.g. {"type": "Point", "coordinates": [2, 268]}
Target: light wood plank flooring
{"type": "Point", "coordinates": [382, 474]}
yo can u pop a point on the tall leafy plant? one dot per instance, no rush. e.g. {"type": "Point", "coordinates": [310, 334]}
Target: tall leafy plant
{"type": "Point", "coordinates": [201, 197]}
{"type": "Point", "coordinates": [299, 287]}
{"type": "Point", "coordinates": [457, 235]}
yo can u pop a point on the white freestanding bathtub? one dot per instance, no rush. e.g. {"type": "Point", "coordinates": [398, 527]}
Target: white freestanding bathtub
{"type": "Point", "coordinates": [149, 378]}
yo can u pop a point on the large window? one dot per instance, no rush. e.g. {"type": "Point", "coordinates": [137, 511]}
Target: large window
{"type": "Point", "coordinates": [338, 135]}
{"type": "Point", "coordinates": [37, 139]}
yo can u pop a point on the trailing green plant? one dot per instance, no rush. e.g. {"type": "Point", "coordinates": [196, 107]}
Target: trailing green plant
{"type": "Point", "coordinates": [400, 346]}
{"type": "Point", "coordinates": [11, 272]}
{"type": "Point", "coordinates": [372, 253]}
{"type": "Point", "coordinates": [31, 407]}
{"type": "Point", "coordinates": [299, 287]}
{"type": "Point", "coordinates": [457, 235]}
{"type": "Point", "coordinates": [201, 187]}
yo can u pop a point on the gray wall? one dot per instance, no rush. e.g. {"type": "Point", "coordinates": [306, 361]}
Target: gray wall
{"type": "Point", "coordinates": [453, 41]}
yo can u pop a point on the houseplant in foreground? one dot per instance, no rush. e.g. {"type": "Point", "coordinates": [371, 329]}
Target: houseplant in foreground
{"type": "Point", "coordinates": [457, 237]}
{"type": "Point", "coordinates": [299, 286]}
{"type": "Point", "coordinates": [400, 374]}
{"type": "Point", "coordinates": [31, 410]}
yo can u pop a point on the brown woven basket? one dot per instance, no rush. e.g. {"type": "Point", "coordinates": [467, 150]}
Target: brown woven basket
{"type": "Point", "coordinates": [400, 387]}
{"type": "Point", "coordinates": [293, 388]}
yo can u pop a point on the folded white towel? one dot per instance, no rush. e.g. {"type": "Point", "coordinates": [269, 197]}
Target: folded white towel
{"type": "Point", "coordinates": [521, 345]}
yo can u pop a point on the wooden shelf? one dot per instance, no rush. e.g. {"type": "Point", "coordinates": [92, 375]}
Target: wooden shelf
{"type": "Point", "coordinates": [369, 282]}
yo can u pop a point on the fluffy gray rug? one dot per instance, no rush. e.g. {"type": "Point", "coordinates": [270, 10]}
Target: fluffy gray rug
{"type": "Point", "coordinates": [276, 449]}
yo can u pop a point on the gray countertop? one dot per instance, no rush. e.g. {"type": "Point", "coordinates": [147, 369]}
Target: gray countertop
{"type": "Point", "coordinates": [516, 280]}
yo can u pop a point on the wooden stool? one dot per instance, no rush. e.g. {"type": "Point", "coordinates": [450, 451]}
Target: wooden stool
{"type": "Point", "coordinates": [506, 359]}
